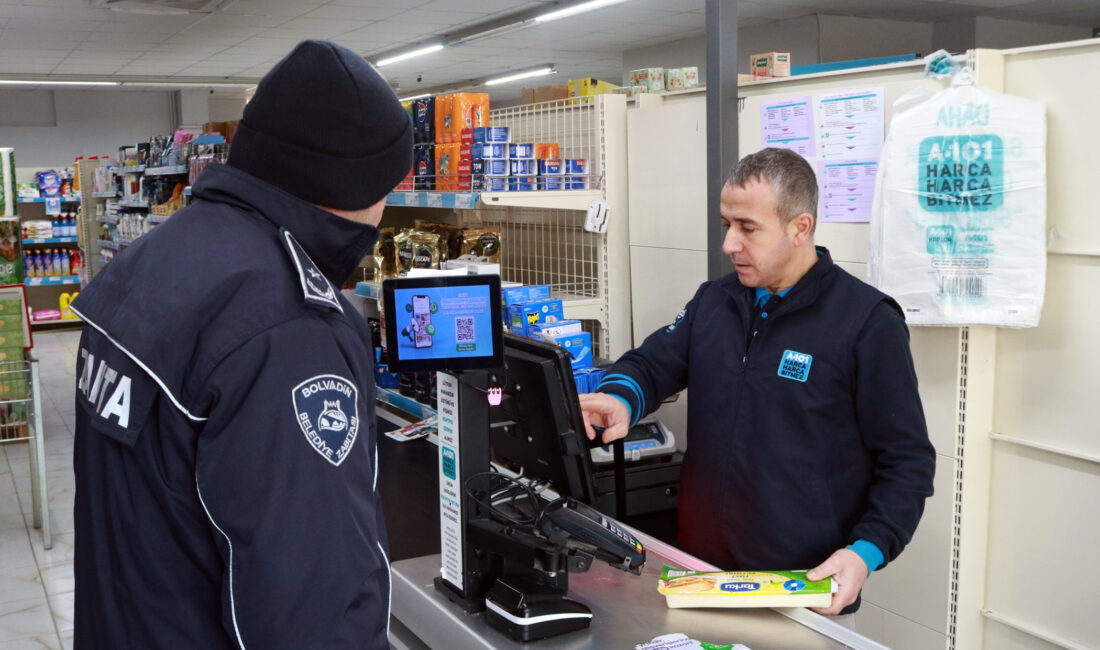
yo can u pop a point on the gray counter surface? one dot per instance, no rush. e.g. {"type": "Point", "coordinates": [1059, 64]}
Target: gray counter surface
{"type": "Point", "coordinates": [627, 610]}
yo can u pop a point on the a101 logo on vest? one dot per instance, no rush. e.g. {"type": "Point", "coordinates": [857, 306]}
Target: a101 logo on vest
{"type": "Point", "coordinates": [327, 408]}
{"type": "Point", "coordinates": [795, 365]}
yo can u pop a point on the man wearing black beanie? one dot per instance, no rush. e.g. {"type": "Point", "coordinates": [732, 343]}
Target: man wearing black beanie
{"type": "Point", "coordinates": [226, 463]}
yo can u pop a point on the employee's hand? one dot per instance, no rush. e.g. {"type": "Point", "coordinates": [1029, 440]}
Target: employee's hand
{"type": "Point", "coordinates": [849, 571]}
{"type": "Point", "coordinates": [605, 411]}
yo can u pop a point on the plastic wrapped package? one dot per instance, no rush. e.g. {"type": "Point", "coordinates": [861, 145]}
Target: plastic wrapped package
{"type": "Point", "coordinates": [959, 217]}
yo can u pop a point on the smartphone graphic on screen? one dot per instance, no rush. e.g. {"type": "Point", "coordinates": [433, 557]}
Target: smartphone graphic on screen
{"type": "Point", "coordinates": [422, 318]}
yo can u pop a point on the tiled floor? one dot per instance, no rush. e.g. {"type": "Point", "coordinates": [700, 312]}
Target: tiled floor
{"type": "Point", "coordinates": [36, 586]}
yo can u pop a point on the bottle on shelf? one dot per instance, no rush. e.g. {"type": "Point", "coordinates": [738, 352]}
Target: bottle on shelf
{"type": "Point", "coordinates": [66, 262]}
{"type": "Point", "coordinates": [55, 262]}
{"type": "Point", "coordinates": [76, 263]}
{"type": "Point", "coordinates": [28, 264]}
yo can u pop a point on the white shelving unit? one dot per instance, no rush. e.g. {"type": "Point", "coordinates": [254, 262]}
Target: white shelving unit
{"type": "Point", "coordinates": [544, 241]}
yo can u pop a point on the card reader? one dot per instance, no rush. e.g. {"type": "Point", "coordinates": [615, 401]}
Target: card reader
{"type": "Point", "coordinates": [647, 438]}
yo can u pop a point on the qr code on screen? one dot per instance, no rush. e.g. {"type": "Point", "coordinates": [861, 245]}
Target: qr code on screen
{"type": "Point", "coordinates": [464, 330]}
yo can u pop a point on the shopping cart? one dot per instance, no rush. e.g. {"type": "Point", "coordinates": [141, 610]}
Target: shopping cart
{"type": "Point", "coordinates": [21, 422]}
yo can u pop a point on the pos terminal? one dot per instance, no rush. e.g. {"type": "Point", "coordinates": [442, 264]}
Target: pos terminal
{"type": "Point", "coordinates": [514, 528]}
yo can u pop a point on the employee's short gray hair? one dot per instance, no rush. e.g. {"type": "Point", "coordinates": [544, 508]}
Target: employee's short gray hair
{"type": "Point", "coordinates": [791, 178]}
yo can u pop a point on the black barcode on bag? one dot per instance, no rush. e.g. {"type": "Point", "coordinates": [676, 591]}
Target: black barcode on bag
{"type": "Point", "coordinates": [464, 330]}
{"type": "Point", "coordinates": [968, 286]}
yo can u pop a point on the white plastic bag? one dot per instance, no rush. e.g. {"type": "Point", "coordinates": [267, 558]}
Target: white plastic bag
{"type": "Point", "coordinates": [959, 215]}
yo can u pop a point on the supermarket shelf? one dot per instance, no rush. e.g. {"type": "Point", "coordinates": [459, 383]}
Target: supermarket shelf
{"type": "Point", "coordinates": [111, 219]}
{"type": "Point", "coordinates": [575, 307]}
{"type": "Point", "coordinates": [408, 405]}
{"type": "Point", "coordinates": [370, 290]}
{"type": "Point", "coordinates": [166, 171]}
{"type": "Point", "coordinates": [103, 243]}
{"type": "Point", "coordinates": [57, 321]}
{"type": "Point", "coordinates": [550, 199]}
{"type": "Point", "coordinates": [51, 240]}
{"type": "Point", "coordinates": [157, 218]}
{"type": "Point", "coordinates": [124, 241]}
{"type": "Point", "coordinates": [57, 279]}
{"type": "Point", "coordinates": [105, 195]}
{"type": "Point", "coordinates": [140, 205]}
{"type": "Point", "coordinates": [131, 169]}
{"type": "Point", "coordinates": [70, 199]}
{"type": "Point", "coordinates": [580, 307]}
{"type": "Point", "coordinates": [451, 200]}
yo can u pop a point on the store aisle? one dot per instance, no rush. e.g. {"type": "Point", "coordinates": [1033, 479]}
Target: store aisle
{"type": "Point", "coordinates": [36, 586]}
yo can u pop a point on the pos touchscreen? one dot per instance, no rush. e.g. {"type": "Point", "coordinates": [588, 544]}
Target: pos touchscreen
{"type": "Point", "coordinates": [443, 323]}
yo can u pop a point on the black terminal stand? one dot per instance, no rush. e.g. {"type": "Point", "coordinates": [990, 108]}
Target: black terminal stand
{"type": "Point", "coordinates": [520, 578]}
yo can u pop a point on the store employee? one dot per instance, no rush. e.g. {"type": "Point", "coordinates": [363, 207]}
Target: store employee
{"type": "Point", "coordinates": [806, 441]}
{"type": "Point", "coordinates": [225, 434]}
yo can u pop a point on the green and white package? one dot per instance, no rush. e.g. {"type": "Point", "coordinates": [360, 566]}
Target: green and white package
{"type": "Point", "coordinates": [959, 217]}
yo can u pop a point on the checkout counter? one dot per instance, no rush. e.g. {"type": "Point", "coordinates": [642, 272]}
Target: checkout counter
{"type": "Point", "coordinates": [431, 507]}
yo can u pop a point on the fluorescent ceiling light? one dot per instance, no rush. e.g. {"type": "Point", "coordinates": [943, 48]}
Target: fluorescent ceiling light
{"type": "Point", "coordinates": [46, 82]}
{"type": "Point", "coordinates": [576, 9]}
{"type": "Point", "coordinates": [412, 97]}
{"type": "Point", "coordinates": [410, 54]}
{"type": "Point", "coordinates": [522, 75]}
{"type": "Point", "coordinates": [185, 84]}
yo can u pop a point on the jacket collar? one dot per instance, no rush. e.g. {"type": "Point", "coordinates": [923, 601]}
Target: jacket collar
{"type": "Point", "coordinates": [803, 293]}
{"type": "Point", "coordinates": [335, 244]}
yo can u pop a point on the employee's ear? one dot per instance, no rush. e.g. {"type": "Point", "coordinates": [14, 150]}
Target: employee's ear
{"type": "Point", "coordinates": [801, 228]}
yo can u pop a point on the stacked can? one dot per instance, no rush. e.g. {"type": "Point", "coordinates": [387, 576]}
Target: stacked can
{"type": "Point", "coordinates": [521, 167]}
{"type": "Point", "coordinates": [489, 158]}
{"type": "Point", "coordinates": [576, 174]}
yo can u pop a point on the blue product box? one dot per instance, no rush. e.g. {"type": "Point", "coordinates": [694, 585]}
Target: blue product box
{"type": "Point", "coordinates": [551, 182]}
{"type": "Point", "coordinates": [527, 294]}
{"type": "Point", "coordinates": [575, 166]}
{"type": "Point", "coordinates": [489, 150]}
{"type": "Point", "coordinates": [554, 330]}
{"type": "Point", "coordinates": [579, 347]}
{"type": "Point", "coordinates": [581, 379]}
{"type": "Point", "coordinates": [530, 293]}
{"type": "Point", "coordinates": [491, 134]}
{"type": "Point", "coordinates": [384, 378]}
{"type": "Point", "coordinates": [521, 183]}
{"type": "Point", "coordinates": [576, 183]}
{"type": "Point", "coordinates": [489, 167]}
{"type": "Point", "coordinates": [522, 166]}
{"type": "Point", "coordinates": [522, 315]}
{"type": "Point", "coordinates": [521, 151]}
{"type": "Point", "coordinates": [550, 167]}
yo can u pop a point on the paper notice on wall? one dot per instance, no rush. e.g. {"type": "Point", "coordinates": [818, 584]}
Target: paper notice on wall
{"type": "Point", "coordinates": [788, 124]}
{"type": "Point", "coordinates": [450, 489]}
{"type": "Point", "coordinates": [846, 190]}
{"type": "Point", "coordinates": [850, 125]}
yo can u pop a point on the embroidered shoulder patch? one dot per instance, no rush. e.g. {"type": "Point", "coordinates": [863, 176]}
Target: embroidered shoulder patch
{"type": "Point", "coordinates": [327, 408]}
{"type": "Point", "coordinates": [316, 288]}
{"type": "Point", "coordinates": [795, 365]}
{"type": "Point", "coordinates": [679, 317]}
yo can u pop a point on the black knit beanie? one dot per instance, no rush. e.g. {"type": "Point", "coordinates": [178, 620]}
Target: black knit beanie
{"type": "Point", "coordinates": [324, 126]}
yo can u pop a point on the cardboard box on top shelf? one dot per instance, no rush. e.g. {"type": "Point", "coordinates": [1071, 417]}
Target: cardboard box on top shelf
{"type": "Point", "coordinates": [527, 96]}
{"type": "Point", "coordinates": [742, 78]}
{"type": "Point", "coordinates": [589, 86]}
{"type": "Point", "coordinates": [551, 93]}
{"type": "Point", "coordinates": [770, 64]}
{"type": "Point", "coordinates": [214, 127]}
{"type": "Point", "coordinates": [230, 130]}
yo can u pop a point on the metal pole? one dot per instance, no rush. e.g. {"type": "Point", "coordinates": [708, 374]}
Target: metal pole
{"type": "Point", "coordinates": [722, 150]}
